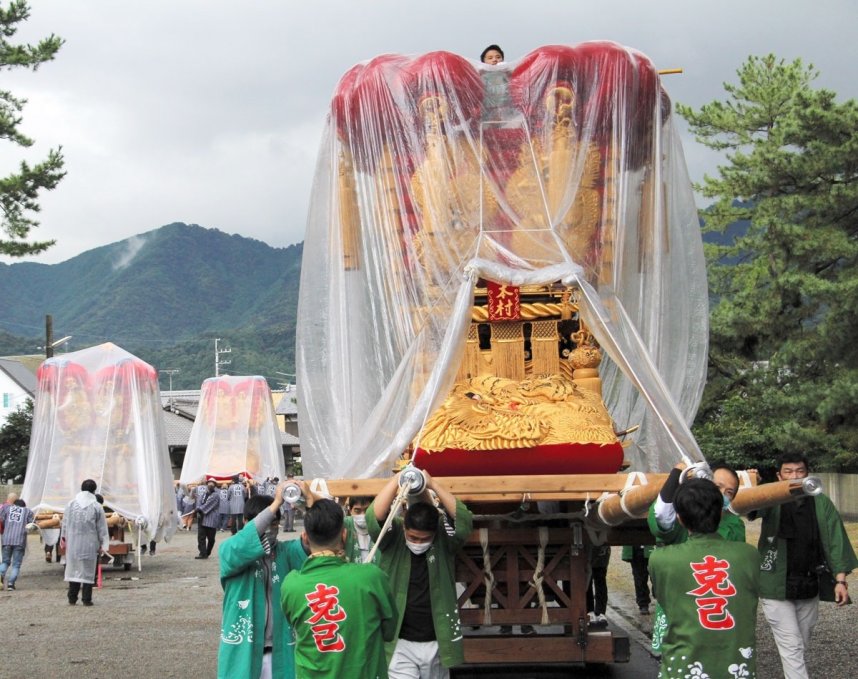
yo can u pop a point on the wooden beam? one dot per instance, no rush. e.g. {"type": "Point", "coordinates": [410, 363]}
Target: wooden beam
{"type": "Point", "coordinates": [508, 488]}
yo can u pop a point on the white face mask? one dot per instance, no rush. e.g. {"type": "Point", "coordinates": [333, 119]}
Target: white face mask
{"type": "Point", "coordinates": [418, 548]}
{"type": "Point", "coordinates": [360, 521]}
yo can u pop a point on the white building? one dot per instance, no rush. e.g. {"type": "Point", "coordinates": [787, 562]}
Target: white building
{"type": "Point", "coordinates": [17, 383]}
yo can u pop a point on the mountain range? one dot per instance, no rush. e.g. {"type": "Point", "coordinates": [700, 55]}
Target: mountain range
{"type": "Point", "coordinates": [165, 296]}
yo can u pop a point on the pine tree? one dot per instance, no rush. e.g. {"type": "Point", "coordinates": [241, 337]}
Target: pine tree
{"type": "Point", "coordinates": [15, 443]}
{"type": "Point", "coordinates": [19, 192]}
{"type": "Point", "coordinates": [783, 367]}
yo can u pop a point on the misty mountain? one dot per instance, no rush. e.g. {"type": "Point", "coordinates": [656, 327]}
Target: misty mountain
{"type": "Point", "coordinates": [164, 295]}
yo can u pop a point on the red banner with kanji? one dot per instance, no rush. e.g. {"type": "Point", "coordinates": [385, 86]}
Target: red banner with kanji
{"type": "Point", "coordinates": [504, 302]}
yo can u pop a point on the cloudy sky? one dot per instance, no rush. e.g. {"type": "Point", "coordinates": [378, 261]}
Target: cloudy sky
{"type": "Point", "coordinates": [211, 111]}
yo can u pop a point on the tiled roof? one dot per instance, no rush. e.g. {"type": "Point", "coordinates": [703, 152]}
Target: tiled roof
{"type": "Point", "coordinates": [177, 428]}
{"type": "Point", "coordinates": [20, 373]}
{"type": "Point", "coordinates": [30, 361]}
{"type": "Point", "coordinates": [287, 439]}
{"type": "Point", "coordinates": [288, 405]}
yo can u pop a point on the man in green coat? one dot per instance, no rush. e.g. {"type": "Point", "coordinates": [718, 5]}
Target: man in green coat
{"type": "Point", "coordinates": [419, 555]}
{"type": "Point", "coordinates": [256, 641]}
{"type": "Point", "coordinates": [797, 541]}
{"type": "Point", "coordinates": [668, 531]}
{"type": "Point", "coordinates": [342, 613]}
{"type": "Point", "coordinates": [358, 541]}
{"type": "Point", "coordinates": [708, 588]}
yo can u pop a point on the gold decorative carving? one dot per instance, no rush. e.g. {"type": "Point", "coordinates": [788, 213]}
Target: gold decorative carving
{"type": "Point", "coordinates": [529, 312]}
{"type": "Point", "coordinates": [565, 166]}
{"type": "Point", "coordinates": [349, 212]}
{"type": "Point", "coordinates": [448, 193]}
{"type": "Point", "coordinates": [586, 356]}
{"type": "Point", "coordinates": [493, 413]}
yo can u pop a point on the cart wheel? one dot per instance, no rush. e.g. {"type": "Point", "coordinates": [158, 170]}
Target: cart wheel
{"type": "Point", "coordinates": [127, 566]}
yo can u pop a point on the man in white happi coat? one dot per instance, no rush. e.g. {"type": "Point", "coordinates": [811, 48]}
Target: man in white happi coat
{"type": "Point", "coordinates": [86, 537]}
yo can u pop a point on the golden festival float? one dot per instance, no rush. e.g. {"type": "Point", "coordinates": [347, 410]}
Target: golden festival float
{"type": "Point", "coordinates": [235, 433]}
{"type": "Point", "coordinates": [503, 272]}
{"type": "Point", "coordinates": [98, 416]}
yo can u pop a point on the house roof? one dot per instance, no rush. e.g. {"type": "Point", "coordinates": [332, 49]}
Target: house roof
{"type": "Point", "coordinates": [288, 439]}
{"type": "Point", "coordinates": [20, 373]}
{"type": "Point", "coordinates": [184, 403]}
{"type": "Point", "coordinates": [180, 411]}
{"type": "Point", "coordinates": [288, 404]}
{"type": "Point", "coordinates": [30, 361]}
{"type": "Point", "coordinates": [177, 428]}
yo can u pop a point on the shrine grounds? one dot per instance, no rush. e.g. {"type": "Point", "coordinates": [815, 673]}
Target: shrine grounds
{"type": "Point", "coordinates": [164, 622]}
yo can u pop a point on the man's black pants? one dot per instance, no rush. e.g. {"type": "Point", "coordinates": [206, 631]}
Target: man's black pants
{"type": "Point", "coordinates": [205, 539]}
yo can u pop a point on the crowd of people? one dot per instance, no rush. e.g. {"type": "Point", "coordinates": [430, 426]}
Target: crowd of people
{"type": "Point", "coordinates": [346, 606]}
{"type": "Point", "coordinates": [346, 609]}
{"type": "Point", "coordinates": [365, 592]}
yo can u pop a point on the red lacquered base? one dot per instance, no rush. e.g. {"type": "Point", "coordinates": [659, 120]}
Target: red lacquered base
{"type": "Point", "coordinates": [560, 458]}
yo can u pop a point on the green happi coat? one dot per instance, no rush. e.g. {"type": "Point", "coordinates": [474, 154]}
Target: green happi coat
{"type": "Point", "coordinates": [731, 527]}
{"type": "Point", "coordinates": [242, 636]}
{"type": "Point", "coordinates": [704, 639]}
{"type": "Point", "coordinates": [351, 622]}
{"type": "Point", "coordinates": [352, 545]}
{"type": "Point", "coordinates": [838, 551]}
{"type": "Point", "coordinates": [441, 564]}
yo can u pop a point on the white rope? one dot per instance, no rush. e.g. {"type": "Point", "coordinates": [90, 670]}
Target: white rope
{"type": "Point", "coordinates": [628, 512]}
{"type": "Point", "coordinates": [538, 573]}
{"type": "Point", "coordinates": [320, 487]}
{"type": "Point", "coordinates": [603, 518]}
{"type": "Point", "coordinates": [635, 478]}
{"type": "Point", "coordinates": [488, 577]}
{"type": "Point", "coordinates": [395, 507]}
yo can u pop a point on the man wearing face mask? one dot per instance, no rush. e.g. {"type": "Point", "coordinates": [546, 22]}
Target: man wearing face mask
{"type": "Point", "coordinates": [256, 640]}
{"type": "Point", "coordinates": [358, 541]}
{"type": "Point", "coordinates": [418, 555]}
{"type": "Point", "coordinates": [668, 531]}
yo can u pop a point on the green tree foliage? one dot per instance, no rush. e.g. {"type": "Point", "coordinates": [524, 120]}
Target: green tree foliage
{"type": "Point", "coordinates": [15, 443]}
{"type": "Point", "coordinates": [783, 367]}
{"type": "Point", "coordinates": [19, 192]}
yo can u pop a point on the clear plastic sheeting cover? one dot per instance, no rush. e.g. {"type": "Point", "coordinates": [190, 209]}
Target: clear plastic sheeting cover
{"type": "Point", "coordinates": [235, 432]}
{"type": "Point", "coordinates": [437, 171]}
{"type": "Point", "coordinates": [98, 416]}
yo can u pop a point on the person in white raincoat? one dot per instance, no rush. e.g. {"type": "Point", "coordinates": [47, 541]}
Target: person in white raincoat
{"type": "Point", "coordinates": [85, 534]}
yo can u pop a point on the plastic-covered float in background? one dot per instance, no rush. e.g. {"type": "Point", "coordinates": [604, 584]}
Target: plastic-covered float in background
{"type": "Point", "coordinates": [235, 432]}
{"type": "Point", "coordinates": [98, 416]}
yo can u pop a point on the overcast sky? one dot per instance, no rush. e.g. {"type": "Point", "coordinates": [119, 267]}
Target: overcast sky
{"type": "Point", "coordinates": [211, 111]}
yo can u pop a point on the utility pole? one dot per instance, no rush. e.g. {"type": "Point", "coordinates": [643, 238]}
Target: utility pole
{"type": "Point", "coordinates": [49, 336]}
{"type": "Point", "coordinates": [170, 372]}
{"type": "Point", "coordinates": [218, 352]}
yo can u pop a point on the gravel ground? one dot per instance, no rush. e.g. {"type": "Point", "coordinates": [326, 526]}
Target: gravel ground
{"type": "Point", "coordinates": [161, 622]}
{"type": "Point", "coordinates": [164, 622]}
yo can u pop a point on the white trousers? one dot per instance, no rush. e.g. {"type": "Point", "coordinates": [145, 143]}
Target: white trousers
{"type": "Point", "coordinates": [792, 623]}
{"type": "Point", "coordinates": [265, 670]}
{"type": "Point", "coordinates": [417, 660]}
